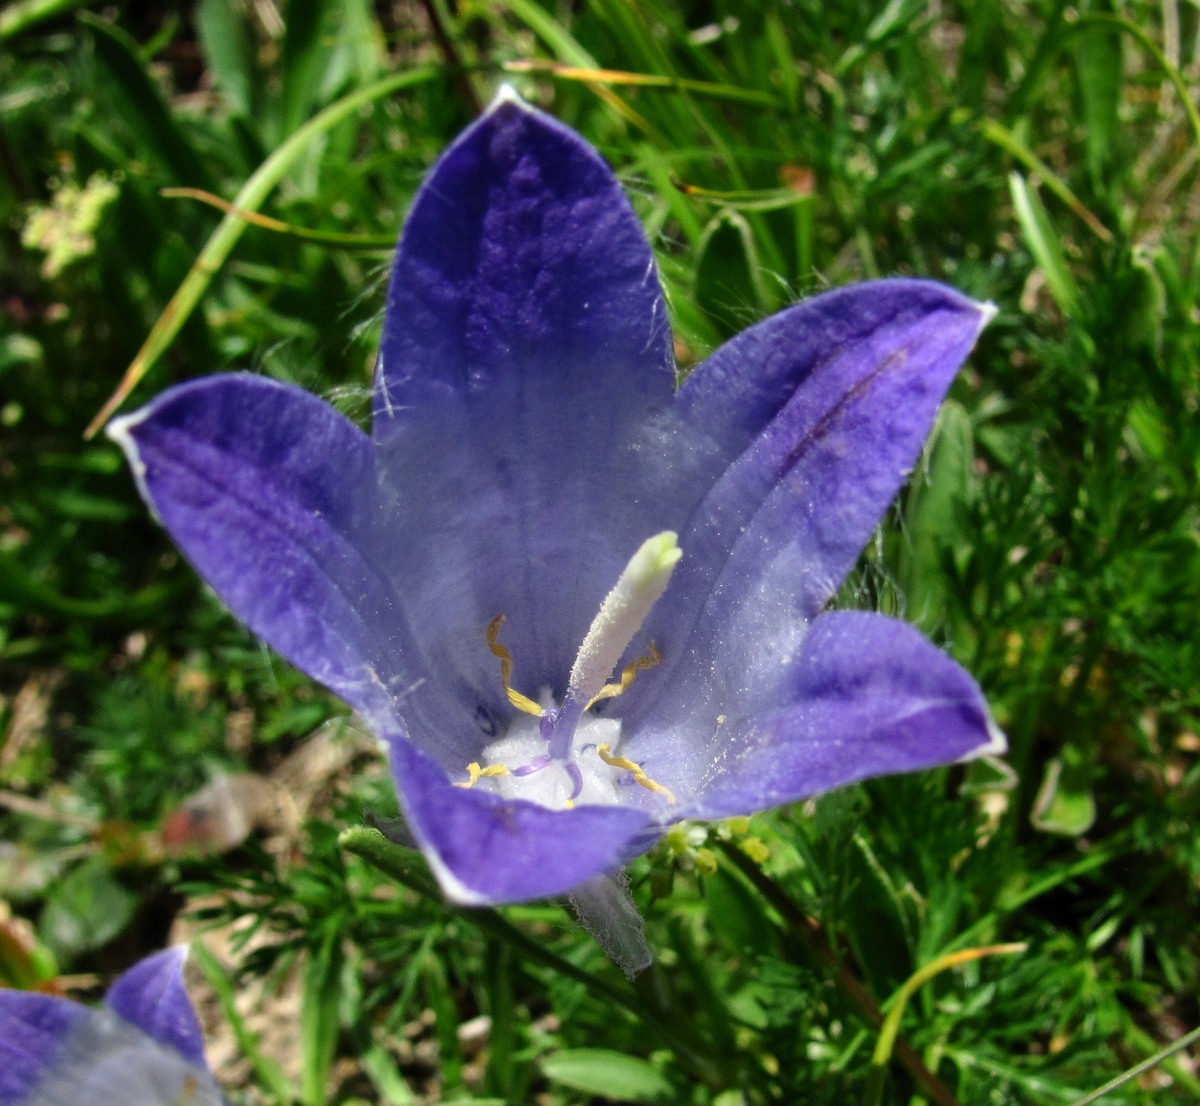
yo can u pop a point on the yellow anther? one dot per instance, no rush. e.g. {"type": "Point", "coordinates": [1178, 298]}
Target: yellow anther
{"type": "Point", "coordinates": [609, 691]}
{"type": "Point", "coordinates": [755, 848]}
{"type": "Point", "coordinates": [521, 702]}
{"type": "Point", "coordinates": [475, 773]}
{"type": "Point", "coordinates": [604, 751]}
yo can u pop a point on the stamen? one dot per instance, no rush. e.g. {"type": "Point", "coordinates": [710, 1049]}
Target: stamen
{"type": "Point", "coordinates": [475, 773]}
{"type": "Point", "coordinates": [521, 702]}
{"type": "Point", "coordinates": [622, 613]}
{"type": "Point", "coordinates": [604, 751]}
{"type": "Point", "coordinates": [576, 778]}
{"type": "Point", "coordinates": [535, 765]}
{"type": "Point", "coordinates": [610, 691]}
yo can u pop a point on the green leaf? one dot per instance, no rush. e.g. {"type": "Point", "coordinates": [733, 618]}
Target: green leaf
{"type": "Point", "coordinates": [1098, 70]}
{"type": "Point", "coordinates": [934, 515]}
{"type": "Point", "coordinates": [266, 1070]}
{"type": "Point", "coordinates": [324, 44]}
{"type": "Point", "coordinates": [17, 16]}
{"type": "Point", "coordinates": [1043, 243]}
{"type": "Point", "coordinates": [86, 910]}
{"type": "Point", "coordinates": [1065, 802]}
{"type": "Point", "coordinates": [319, 1022]}
{"type": "Point", "coordinates": [229, 50]}
{"type": "Point", "coordinates": [608, 1074]}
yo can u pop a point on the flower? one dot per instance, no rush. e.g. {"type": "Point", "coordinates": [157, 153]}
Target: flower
{"type": "Point", "coordinates": [577, 603]}
{"type": "Point", "coordinates": [142, 1046]}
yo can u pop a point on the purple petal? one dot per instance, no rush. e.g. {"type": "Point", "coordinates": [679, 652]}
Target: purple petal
{"type": "Point", "coordinates": [107, 1061]}
{"type": "Point", "coordinates": [816, 416]}
{"type": "Point", "coordinates": [33, 1030]}
{"type": "Point", "coordinates": [267, 491]}
{"type": "Point", "coordinates": [870, 697]}
{"type": "Point", "coordinates": [525, 357]}
{"type": "Point", "coordinates": [484, 849]}
{"type": "Point", "coordinates": [151, 995]}
{"type": "Point", "coordinates": [522, 263]}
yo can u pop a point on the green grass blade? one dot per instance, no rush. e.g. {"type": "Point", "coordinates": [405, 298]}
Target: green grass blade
{"type": "Point", "coordinates": [268, 1072]}
{"type": "Point", "coordinates": [223, 239]}
{"type": "Point", "coordinates": [1001, 136]}
{"type": "Point", "coordinates": [1043, 244]}
{"type": "Point", "coordinates": [15, 18]}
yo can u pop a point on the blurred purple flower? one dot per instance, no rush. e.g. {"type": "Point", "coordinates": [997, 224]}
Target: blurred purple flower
{"type": "Point", "coordinates": [142, 1047]}
{"type": "Point", "coordinates": [530, 454]}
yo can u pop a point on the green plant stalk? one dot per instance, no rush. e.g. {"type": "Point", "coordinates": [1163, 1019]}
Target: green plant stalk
{"type": "Point", "coordinates": [591, 74]}
{"type": "Point", "coordinates": [229, 230]}
{"type": "Point", "coordinates": [407, 867]}
{"type": "Point", "coordinates": [560, 42]}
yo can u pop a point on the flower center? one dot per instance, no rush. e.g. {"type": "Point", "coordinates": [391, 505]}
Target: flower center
{"type": "Point", "coordinates": [575, 745]}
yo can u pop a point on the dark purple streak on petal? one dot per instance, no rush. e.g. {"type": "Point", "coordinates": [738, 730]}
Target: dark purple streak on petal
{"type": "Point", "coordinates": [819, 413]}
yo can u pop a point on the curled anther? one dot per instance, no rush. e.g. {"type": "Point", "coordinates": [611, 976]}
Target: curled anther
{"type": "Point", "coordinates": [651, 657]}
{"type": "Point", "coordinates": [604, 751]}
{"type": "Point", "coordinates": [501, 653]}
{"type": "Point", "coordinates": [476, 772]}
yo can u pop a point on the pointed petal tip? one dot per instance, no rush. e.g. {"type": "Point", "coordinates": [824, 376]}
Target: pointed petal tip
{"type": "Point", "coordinates": [120, 431]}
{"type": "Point", "coordinates": [152, 997]}
{"type": "Point", "coordinates": [995, 746]}
{"type": "Point", "coordinates": [507, 95]}
{"type": "Point", "coordinates": [987, 312]}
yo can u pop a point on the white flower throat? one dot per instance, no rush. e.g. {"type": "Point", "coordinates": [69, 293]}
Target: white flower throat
{"type": "Point", "coordinates": [565, 756]}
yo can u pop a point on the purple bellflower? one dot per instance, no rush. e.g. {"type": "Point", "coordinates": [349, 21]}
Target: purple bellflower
{"type": "Point", "coordinates": [576, 602]}
{"type": "Point", "coordinates": [142, 1047]}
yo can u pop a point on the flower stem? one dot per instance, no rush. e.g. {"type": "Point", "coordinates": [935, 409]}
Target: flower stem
{"type": "Point", "coordinates": [407, 867]}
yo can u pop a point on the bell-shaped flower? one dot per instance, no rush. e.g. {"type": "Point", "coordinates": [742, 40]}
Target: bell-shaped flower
{"type": "Point", "coordinates": [141, 1047]}
{"type": "Point", "coordinates": [577, 602]}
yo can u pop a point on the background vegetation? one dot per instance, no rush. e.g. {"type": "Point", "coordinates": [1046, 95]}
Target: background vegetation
{"type": "Point", "coordinates": [163, 777]}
